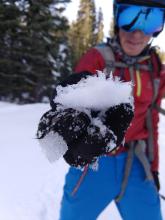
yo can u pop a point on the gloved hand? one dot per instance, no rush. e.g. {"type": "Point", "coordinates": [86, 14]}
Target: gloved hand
{"type": "Point", "coordinates": [93, 144]}
{"type": "Point", "coordinates": [118, 119]}
{"type": "Point", "coordinates": [68, 123]}
{"type": "Point", "coordinates": [58, 128]}
{"type": "Point", "coordinates": [76, 160]}
{"type": "Point", "coordinates": [44, 124]}
{"type": "Point", "coordinates": [156, 179]}
{"type": "Point", "coordinates": [87, 148]}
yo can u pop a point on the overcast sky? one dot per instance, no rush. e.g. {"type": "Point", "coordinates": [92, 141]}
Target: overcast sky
{"type": "Point", "coordinates": [106, 6]}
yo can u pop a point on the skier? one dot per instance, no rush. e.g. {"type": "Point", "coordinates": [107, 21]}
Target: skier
{"type": "Point", "coordinates": [127, 174]}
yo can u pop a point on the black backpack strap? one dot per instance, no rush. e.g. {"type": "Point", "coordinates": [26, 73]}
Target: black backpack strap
{"type": "Point", "coordinates": [159, 109]}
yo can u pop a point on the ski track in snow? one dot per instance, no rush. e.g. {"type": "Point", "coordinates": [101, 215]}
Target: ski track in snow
{"type": "Point", "coordinates": [31, 187]}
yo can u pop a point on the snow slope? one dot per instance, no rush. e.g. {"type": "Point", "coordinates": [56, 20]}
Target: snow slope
{"type": "Point", "coordinates": [31, 187]}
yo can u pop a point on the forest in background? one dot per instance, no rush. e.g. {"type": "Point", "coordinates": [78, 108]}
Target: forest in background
{"type": "Point", "coordinates": [39, 47]}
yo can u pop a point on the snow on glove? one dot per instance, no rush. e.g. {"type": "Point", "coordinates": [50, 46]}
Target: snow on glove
{"type": "Point", "coordinates": [70, 124]}
{"type": "Point", "coordinates": [57, 129]}
{"type": "Point", "coordinates": [98, 140]}
{"type": "Point", "coordinates": [118, 119]}
{"type": "Point", "coordinates": [87, 148]}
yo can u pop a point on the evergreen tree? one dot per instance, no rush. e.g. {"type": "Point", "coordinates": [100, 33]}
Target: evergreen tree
{"type": "Point", "coordinates": [86, 31]}
{"type": "Point", "coordinates": [47, 28]}
{"type": "Point", "coordinates": [100, 27]}
{"type": "Point", "coordinates": [82, 31]}
{"type": "Point", "coordinates": [35, 54]}
{"type": "Point", "coordinates": [9, 27]}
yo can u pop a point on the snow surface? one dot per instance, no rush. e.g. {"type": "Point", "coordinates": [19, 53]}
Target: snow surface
{"type": "Point", "coordinates": [31, 187]}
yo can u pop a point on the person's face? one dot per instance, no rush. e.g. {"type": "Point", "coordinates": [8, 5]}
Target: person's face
{"type": "Point", "coordinates": [133, 43]}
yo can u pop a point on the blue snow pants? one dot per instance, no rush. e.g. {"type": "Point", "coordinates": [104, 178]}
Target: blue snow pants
{"type": "Point", "coordinates": [98, 188]}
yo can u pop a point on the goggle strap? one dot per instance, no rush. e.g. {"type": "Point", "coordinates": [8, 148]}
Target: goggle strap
{"type": "Point", "coordinates": [141, 3]}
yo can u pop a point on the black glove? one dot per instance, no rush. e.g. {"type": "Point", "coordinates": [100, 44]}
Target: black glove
{"type": "Point", "coordinates": [76, 160]}
{"type": "Point", "coordinates": [118, 119]}
{"type": "Point", "coordinates": [91, 145]}
{"type": "Point", "coordinates": [72, 126]}
{"type": "Point", "coordinates": [156, 179]}
{"type": "Point", "coordinates": [45, 123]}
{"type": "Point", "coordinates": [68, 123]}
{"type": "Point", "coordinates": [87, 148]}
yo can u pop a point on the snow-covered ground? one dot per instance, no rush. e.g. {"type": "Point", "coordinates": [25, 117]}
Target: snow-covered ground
{"type": "Point", "coordinates": [31, 187]}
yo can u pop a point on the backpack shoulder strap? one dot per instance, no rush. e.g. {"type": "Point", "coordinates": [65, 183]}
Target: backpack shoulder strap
{"type": "Point", "coordinates": [159, 109]}
{"type": "Point", "coordinates": [154, 74]}
{"type": "Point", "coordinates": [157, 62]}
{"type": "Point", "coordinates": [108, 55]}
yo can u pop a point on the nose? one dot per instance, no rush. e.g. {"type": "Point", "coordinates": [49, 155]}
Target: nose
{"type": "Point", "coordinates": [138, 34]}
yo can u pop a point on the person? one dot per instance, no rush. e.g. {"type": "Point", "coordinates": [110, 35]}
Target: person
{"type": "Point", "coordinates": [129, 174]}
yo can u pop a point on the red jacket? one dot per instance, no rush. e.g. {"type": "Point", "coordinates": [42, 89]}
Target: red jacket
{"type": "Point", "coordinates": [143, 93]}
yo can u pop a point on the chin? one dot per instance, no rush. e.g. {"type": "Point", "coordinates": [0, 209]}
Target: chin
{"type": "Point", "coordinates": [132, 52]}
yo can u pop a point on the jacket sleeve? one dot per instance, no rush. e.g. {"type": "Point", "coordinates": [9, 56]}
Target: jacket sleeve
{"type": "Point", "coordinates": [155, 121]}
{"type": "Point", "coordinates": [91, 61]}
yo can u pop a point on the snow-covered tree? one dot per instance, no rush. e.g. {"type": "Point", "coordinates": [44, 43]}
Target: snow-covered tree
{"type": "Point", "coordinates": [34, 52]}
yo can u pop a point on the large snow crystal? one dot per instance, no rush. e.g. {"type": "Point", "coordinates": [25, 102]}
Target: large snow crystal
{"type": "Point", "coordinates": [95, 92]}
{"type": "Point", "coordinates": [53, 146]}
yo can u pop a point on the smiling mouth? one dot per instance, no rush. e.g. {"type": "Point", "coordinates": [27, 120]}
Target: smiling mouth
{"type": "Point", "coordinates": [134, 43]}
